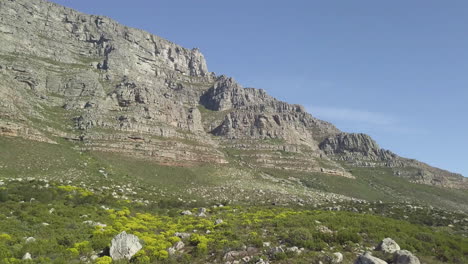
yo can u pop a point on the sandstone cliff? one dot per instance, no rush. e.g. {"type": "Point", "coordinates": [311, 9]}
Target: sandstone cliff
{"type": "Point", "coordinates": [108, 87]}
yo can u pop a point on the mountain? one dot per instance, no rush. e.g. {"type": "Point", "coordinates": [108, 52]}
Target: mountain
{"type": "Point", "coordinates": [118, 146]}
{"type": "Point", "coordinates": [76, 85]}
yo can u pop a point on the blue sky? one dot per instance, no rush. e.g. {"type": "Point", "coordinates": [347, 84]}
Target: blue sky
{"type": "Point", "coordinates": [397, 70]}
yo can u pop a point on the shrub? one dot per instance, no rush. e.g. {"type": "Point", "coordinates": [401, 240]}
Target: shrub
{"type": "Point", "coordinates": [104, 260]}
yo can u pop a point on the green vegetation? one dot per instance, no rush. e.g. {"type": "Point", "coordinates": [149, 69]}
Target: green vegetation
{"type": "Point", "coordinates": [81, 182]}
{"type": "Point", "coordinates": [375, 184]}
{"type": "Point", "coordinates": [274, 141]}
{"type": "Point", "coordinates": [55, 216]}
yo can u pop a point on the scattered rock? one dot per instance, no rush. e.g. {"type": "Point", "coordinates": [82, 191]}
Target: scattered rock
{"type": "Point", "coordinates": [171, 251]}
{"type": "Point", "coordinates": [276, 250]}
{"type": "Point", "coordinates": [124, 246]}
{"type": "Point", "coordinates": [179, 245]}
{"type": "Point", "coordinates": [201, 212]}
{"type": "Point", "coordinates": [324, 229]}
{"type": "Point", "coordinates": [388, 246]}
{"type": "Point", "coordinates": [232, 255]}
{"type": "Point", "coordinates": [337, 258]}
{"type": "Point", "coordinates": [27, 256]}
{"type": "Point", "coordinates": [261, 261]}
{"type": "Point", "coordinates": [367, 258]}
{"type": "Point", "coordinates": [186, 212]}
{"type": "Point", "coordinates": [92, 223]}
{"type": "Point", "coordinates": [404, 257]}
{"type": "Point", "coordinates": [30, 240]}
{"type": "Point", "coordinates": [182, 235]}
{"type": "Point", "coordinates": [295, 250]}
{"type": "Point", "coordinates": [218, 221]}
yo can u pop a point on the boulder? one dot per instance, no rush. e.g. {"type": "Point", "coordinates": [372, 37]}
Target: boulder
{"type": "Point", "coordinates": [30, 240]}
{"type": "Point", "coordinates": [201, 212]}
{"type": "Point", "coordinates": [276, 250]}
{"type": "Point", "coordinates": [337, 257]}
{"type": "Point", "coordinates": [261, 261]}
{"type": "Point", "coordinates": [295, 250]}
{"type": "Point", "coordinates": [404, 257]}
{"type": "Point", "coordinates": [182, 235]}
{"type": "Point", "coordinates": [232, 255]}
{"type": "Point", "coordinates": [171, 251]}
{"type": "Point", "coordinates": [186, 212]}
{"type": "Point", "coordinates": [179, 245]}
{"type": "Point", "coordinates": [388, 246]}
{"type": "Point", "coordinates": [367, 258]}
{"type": "Point", "coordinates": [27, 256]}
{"type": "Point", "coordinates": [323, 229]}
{"type": "Point", "coordinates": [124, 246]}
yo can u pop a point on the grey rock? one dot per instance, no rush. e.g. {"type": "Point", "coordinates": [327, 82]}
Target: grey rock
{"type": "Point", "coordinates": [233, 255]}
{"type": "Point", "coordinates": [361, 144]}
{"type": "Point", "coordinates": [182, 235]}
{"type": "Point", "coordinates": [276, 250]}
{"type": "Point", "coordinates": [124, 246]}
{"type": "Point", "coordinates": [337, 257]}
{"type": "Point", "coordinates": [404, 257]}
{"type": "Point", "coordinates": [261, 261]}
{"type": "Point", "coordinates": [324, 229]}
{"type": "Point", "coordinates": [179, 245]}
{"type": "Point", "coordinates": [202, 212]}
{"type": "Point", "coordinates": [295, 250]}
{"type": "Point", "coordinates": [92, 223]}
{"type": "Point", "coordinates": [171, 251]}
{"type": "Point", "coordinates": [186, 212]}
{"type": "Point", "coordinates": [388, 246]}
{"type": "Point", "coordinates": [367, 258]}
{"type": "Point", "coordinates": [26, 256]}
{"type": "Point", "coordinates": [30, 240]}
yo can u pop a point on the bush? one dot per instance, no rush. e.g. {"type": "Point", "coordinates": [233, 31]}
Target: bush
{"type": "Point", "coordinates": [104, 260]}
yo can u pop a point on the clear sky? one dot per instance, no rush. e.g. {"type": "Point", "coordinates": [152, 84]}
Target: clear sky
{"type": "Point", "coordinates": [397, 70]}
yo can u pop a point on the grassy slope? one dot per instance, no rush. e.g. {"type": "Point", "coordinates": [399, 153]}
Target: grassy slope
{"type": "Point", "coordinates": [67, 238]}
{"type": "Point", "coordinates": [22, 158]}
{"type": "Point", "coordinates": [375, 184]}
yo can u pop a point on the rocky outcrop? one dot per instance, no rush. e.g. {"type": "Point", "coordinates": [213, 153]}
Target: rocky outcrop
{"type": "Point", "coordinates": [361, 146]}
{"type": "Point", "coordinates": [252, 114]}
{"type": "Point", "coordinates": [360, 150]}
{"type": "Point", "coordinates": [124, 246]}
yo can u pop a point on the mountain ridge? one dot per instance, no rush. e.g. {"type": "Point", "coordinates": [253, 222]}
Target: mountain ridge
{"type": "Point", "coordinates": [88, 79]}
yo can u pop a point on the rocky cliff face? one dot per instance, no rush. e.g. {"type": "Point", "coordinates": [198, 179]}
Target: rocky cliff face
{"type": "Point", "coordinates": [355, 146]}
{"type": "Point", "coordinates": [90, 80]}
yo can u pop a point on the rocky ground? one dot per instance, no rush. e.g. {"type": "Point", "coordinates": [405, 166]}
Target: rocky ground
{"type": "Point", "coordinates": [51, 222]}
